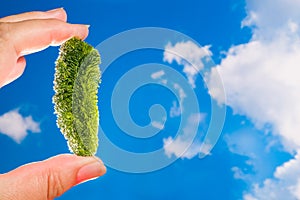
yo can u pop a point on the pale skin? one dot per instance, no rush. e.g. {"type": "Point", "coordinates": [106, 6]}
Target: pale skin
{"type": "Point", "coordinates": [21, 35]}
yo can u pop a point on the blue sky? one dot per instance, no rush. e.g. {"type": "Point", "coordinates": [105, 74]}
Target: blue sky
{"type": "Point", "coordinates": [255, 48]}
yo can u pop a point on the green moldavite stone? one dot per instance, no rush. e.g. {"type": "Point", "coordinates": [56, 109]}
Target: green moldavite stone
{"type": "Point", "coordinates": [76, 82]}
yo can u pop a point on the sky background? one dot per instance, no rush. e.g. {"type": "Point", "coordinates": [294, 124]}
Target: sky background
{"type": "Point", "coordinates": [255, 48]}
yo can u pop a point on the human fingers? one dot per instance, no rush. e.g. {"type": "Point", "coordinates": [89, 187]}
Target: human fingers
{"type": "Point", "coordinates": [24, 37]}
{"type": "Point", "coordinates": [34, 35]}
{"type": "Point", "coordinates": [58, 13]}
{"type": "Point", "coordinates": [50, 178]}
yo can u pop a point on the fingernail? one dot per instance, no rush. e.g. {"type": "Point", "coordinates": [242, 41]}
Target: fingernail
{"type": "Point", "coordinates": [90, 171]}
{"type": "Point", "coordinates": [88, 26]}
{"type": "Point", "coordinates": [55, 10]}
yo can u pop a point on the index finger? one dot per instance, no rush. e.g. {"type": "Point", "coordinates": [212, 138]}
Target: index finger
{"type": "Point", "coordinates": [58, 13]}
{"type": "Point", "coordinates": [30, 36]}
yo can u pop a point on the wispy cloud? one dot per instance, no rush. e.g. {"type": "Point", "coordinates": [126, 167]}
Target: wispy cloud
{"type": "Point", "coordinates": [258, 152]}
{"type": "Point", "coordinates": [157, 74]}
{"type": "Point", "coordinates": [157, 124]}
{"type": "Point", "coordinates": [175, 110]}
{"type": "Point", "coordinates": [261, 80]}
{"type": "Point", "coordinates": [16, 126]}
{"type": "Point", "coordinates": [160, 76]}
{"type": "Point", "coordinates": [181, 92]}
{"type": "Point", "coordinates": [189, 55]}
{"type": "Point", "coordinates": [284, 185]}
{"type": "Point", "coordinates": [177, 146]}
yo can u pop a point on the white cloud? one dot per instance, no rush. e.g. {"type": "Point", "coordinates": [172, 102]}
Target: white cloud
{"type": "Point", "coordinates": [269, 19]}
{"type": "Point", "coordinates": [158, 125]}
{"type": "Point", "coordinates": [189, 55]}
{"type": "Point", "coordinates": [181, 92]}
{"type": "Point", "coordinates": [16, 126]}
{"type": "Point", "coordinates": [261, 78]}
{"type": "Point", "coordinates": [261, 81]}
{"type": "Point", "coordinates": [175, 110]}
{"type": "Point", "coordinates": [158, 74]}
{"type": "Point", "coordinates": [285, 184]}
{"type": "Point", "coordinates": [177, 146]}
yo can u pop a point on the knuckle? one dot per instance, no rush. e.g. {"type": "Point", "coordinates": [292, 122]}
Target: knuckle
{"type": "Point", "coordinates": [55, 185]}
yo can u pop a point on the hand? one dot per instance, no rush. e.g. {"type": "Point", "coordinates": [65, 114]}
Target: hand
{"type": "Point", "coordinates": [21, 35]}
{"type": "Point", "coordinates": [50, 178]}
{"type": "Point", "coordinates": [31, 32]}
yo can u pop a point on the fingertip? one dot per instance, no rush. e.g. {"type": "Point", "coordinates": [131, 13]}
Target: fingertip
{"type": "Point", "coordinates": [81, 31]}
{"type": "Point", "coordinates": [104, 169]}
{"type": "Point", "coordinates": [58, 13]}
{"type": "Point", "coordinates": [90, 171]}
{"type": "Point", "coordinates": [54, 10]}
{"type": "Point", "coordinates": [86, 31]}
{"type": "Point", "coordinates": [63, 14]}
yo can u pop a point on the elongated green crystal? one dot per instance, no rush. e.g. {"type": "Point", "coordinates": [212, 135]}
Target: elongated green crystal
{"type": "Point", "coordinates": [76, 82]}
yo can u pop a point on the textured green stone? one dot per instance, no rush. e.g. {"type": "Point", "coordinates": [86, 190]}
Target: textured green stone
{"type": "Point", "coordinates": [76, 82]}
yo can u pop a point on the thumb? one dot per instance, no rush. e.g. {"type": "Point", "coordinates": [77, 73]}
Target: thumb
{"type": "Point", "coordinates": [50, 178]}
